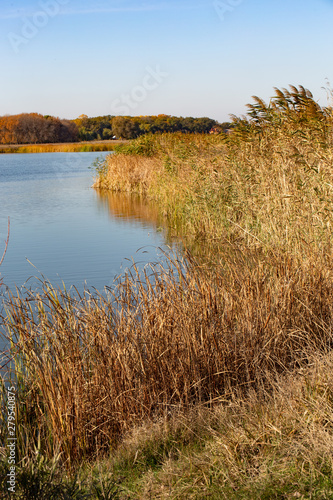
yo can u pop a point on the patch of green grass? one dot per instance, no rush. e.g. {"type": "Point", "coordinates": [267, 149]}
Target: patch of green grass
{"type": "Point", "coordinates": [40, 479]}
{"type": "Point", "coordinates": [144, 146]}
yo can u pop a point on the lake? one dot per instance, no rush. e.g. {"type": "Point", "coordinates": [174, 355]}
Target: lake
{"type": "Point", "coordinates": [64, 230]}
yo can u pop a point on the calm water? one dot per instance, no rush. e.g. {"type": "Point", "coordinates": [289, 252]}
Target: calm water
{"type": "Point", "coordinates": [63, 229]}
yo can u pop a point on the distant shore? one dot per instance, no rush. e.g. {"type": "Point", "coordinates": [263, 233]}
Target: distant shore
{"type": "Point", "coordinates": [64, 147]}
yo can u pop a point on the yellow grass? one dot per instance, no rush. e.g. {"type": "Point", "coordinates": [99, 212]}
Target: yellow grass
{"type": "Point", "coordinates": [273, 444]}
{"type": "Point", "coordinates": [240, 336]}
{"type": "Point", "coordinates": [172, 338]}
{"type": "Point", "coordinates": [75, 147]}
{"type": "Point", "coordinates": [272, 191]}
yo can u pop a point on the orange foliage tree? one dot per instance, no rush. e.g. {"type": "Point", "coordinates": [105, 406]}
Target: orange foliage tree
{"type": "Point", "coordinates": [33, 128]}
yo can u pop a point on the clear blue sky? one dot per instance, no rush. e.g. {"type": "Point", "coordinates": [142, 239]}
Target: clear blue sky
{"type": "Point", "coordinates": [179, 57]}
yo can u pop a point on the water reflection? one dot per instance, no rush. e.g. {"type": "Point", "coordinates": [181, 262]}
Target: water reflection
{"type": "Point", "coordinates": [129, 207]}
{"type": "Point", "coordinates": [68, 231]}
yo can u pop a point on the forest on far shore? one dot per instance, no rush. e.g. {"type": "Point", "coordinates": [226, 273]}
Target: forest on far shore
{"type": "Point", "coordinates": [34, 128]}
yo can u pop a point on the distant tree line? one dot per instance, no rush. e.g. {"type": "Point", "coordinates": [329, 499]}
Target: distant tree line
{"type": "Point", "coordinates": [91, 129]}
{"type": "Point", "coordinates": [33, 128]}
{"type": "Point", "coordinates": [130, 127]}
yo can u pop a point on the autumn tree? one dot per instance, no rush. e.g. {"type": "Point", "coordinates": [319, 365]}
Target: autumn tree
{"type": "Point", "coordinates": [90, 129]}
{"type": "Point", "coordinates": [33, 128]}
{"type": "Point", "coordinates": [125, 127]}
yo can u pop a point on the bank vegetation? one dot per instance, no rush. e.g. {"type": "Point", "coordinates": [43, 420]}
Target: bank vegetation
{"type": "Point", "coordinates": [208, 375]}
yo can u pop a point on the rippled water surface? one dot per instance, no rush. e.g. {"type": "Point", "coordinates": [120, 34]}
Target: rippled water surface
{"type": "Point", "coordinates": [63, 229]}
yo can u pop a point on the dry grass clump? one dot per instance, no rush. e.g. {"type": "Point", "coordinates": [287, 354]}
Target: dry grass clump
{"type": "Point", "coordinates": [184, 335]}
{"type": "Point", "coordinates": [170, 338]}
{"type": "Point", "coordinates": [276, 444]}
{"type": "Point", "coordinates": [5, 249]}
{"type": "Point", "coordinates": [138, 176]}
{"type": "Point", "coordinates": [263, 196]}
{"type": "Point", "coordinates": [268, 183]}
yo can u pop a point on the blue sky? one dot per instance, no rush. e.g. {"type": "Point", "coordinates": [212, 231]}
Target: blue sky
{"type": "Point", "coordinates": [184, 58]}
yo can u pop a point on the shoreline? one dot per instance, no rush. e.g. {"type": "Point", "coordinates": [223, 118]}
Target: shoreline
{"type": "Point", "coordinates": [63, 147]}
{"type": "Point", "coordinates": [212, 370]}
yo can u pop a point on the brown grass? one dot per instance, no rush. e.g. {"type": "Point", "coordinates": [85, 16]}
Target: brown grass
{"type": "Point", "coordinates": [139, 175]}
{"type": "Point", "coordinates": [172, 338]}
{"type": "Point", "coordinates": [270, 188]}
{"type": "Point", "coordinates": [275, 444]}
{"type": "Point", "coordinates": [129, 206]}
{"type": "Point", "coordinates": [61, 147]}
{"type": "Point", "coordinates": [191, 334]}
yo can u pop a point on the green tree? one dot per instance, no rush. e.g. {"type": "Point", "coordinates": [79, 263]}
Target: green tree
{"type": "Point", "coordinates": [125, 127]}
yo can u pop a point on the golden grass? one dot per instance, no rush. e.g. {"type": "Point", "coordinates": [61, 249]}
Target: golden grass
{"type": "Point", "coordinates": [269, 187]}
{"type": "Point", "coordinates": [171, 338]}
{"type": "Point", "coordinates": [276, 444]}
{"type": "Point", "coordinates": [138, 175]}
{"type": "Point", "coordinates": [75, 147]}
{"type": "Point", "coordinates": [195, 333]}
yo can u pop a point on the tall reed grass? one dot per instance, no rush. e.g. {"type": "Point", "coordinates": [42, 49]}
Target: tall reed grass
{"type": "Point", "coordinates": [89, 368]}
{"type": "Point", "coordinates": [268, 183]}
{"type": "Point", "coordinates": [188, 334]}
{"type": "Point", "coordinates": [274, 444]}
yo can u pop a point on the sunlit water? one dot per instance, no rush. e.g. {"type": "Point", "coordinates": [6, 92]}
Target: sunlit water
{"type": "Point", "coordinates": [63, 230]}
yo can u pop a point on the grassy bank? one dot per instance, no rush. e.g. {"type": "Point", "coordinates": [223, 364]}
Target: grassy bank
{"type": "Point", "coordinates": [73, 147]}
{"type": "Point", "coordinates": [264, 186]}
{"type": "Point", "coordinates": [206, 377]}
{"type": "Point", "coordinates": [275, 444]}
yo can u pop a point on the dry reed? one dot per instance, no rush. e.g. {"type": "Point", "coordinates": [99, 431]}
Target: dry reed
{"type": "Point", "coordinates": [187, 334]}
{"type": "Point", "coordinates": [268, 183]}
{"type": "Point", "coordinates": [275, 444]}
{"type": "Point", "coordinates": [171, 338]}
